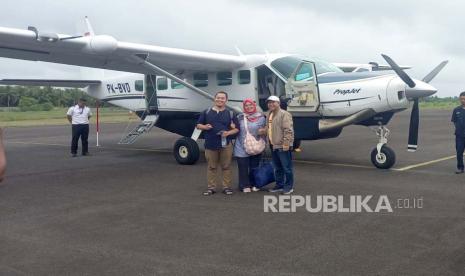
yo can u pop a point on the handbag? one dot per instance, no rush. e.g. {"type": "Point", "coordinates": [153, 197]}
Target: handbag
{"type": "Point", "coordinates": [252, 146]}
{"type": "Point", "coordinates": [263, 174]}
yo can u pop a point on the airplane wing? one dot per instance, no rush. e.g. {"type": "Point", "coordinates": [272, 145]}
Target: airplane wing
{"type": "Point", "coordinates": [105, 52]}
{"type": "Point", "coordinates": [54, 83]}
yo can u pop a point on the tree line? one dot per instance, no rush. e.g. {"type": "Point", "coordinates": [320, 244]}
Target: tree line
{"type": "Point", "coordinates": [33, 98]}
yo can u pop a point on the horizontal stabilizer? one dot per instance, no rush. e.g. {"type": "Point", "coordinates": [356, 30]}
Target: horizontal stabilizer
{"type": "Point", "coordinates": [45, 82]}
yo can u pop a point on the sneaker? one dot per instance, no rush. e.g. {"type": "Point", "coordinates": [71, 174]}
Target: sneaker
{"type": "Point", "coordinates": [275, 190]}
{"type": "Point", "coordinates": [73, 155]}
{"type": "Point", "coordinates": [85, 154]}
{"type": "Point", "coordinates": [288, 192]}
{"type": "Point", "coordinates": [209, 192]}
{"type": "Point", "coordinates": [255, 189]}
{"type": "Point", "coordinates": [459, 171]}
{"type": "Point", "coordinates": [246, 190]}
{"type": "Point", "coordinates": [227, 191]}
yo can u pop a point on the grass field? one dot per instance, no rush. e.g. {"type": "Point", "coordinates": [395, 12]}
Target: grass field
{"type": "Point", "coordinates": [57, 116]}
{"type": "Point", "coordinates": [14, 118]}
{"type": "Point", "coordinates": [449, 105]}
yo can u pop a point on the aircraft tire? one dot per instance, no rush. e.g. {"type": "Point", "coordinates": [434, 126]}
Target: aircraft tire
{"type": "Point", "coordinates": [386, 160]}
{"type": "Point", "coordinates": [186, 151]}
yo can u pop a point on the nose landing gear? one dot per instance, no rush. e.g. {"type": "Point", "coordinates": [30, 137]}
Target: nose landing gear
{"type": "Point", "coordinates": [383, 157]}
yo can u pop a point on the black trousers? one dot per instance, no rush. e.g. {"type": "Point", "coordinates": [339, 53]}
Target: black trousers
{"type": "Point", "coordinates": [459, 148]}
{"type": "Point", "coordinates": [81, 131]}
{"type": "Point", "coordinates": [245, 167]}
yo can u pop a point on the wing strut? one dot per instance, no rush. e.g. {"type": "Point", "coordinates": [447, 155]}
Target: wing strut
{"type": "Point", "coordinates": [141, 59]}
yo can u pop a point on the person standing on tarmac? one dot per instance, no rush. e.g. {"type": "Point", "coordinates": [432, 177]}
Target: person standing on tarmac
{"type": "Point", "coordinates": [79, 116]}
{"type": "Point", "coordinates": [280, 131]}
{"type": "Point", "coordinates": [219, 125]}
{"type": "Point", "coordinates": [2, 157]}
{"type": "Point", "coordinates": [458, 118]}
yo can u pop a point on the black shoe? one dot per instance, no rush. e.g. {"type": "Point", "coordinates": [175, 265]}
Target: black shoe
{"type": "Point", "coordinates": [459, 171]}
{"type": "Point", "coordinates": [73, 155]}
{"type": "Point", "coordinates": [209, 192]}
{"type": "Point", "coordinates": [85, 154]}
{"type": "Point", "coordinates": [227, 191]}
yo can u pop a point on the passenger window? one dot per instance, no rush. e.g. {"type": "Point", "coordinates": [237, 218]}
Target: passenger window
{"type": "Point", "coordinates": [176, 85]}
{"type": "Point", "coordinates": [305, 72]}
{"type": "Point", "coordinates": [162, 83]}
{"type": "Point", "coordinates": [200, 79]}
{"type": "Point", "coordinates": [139, 84]}
{"type": "Point", "coordinates": [244, 76]}
{"type": "Point", "coordinates": [224, 78]}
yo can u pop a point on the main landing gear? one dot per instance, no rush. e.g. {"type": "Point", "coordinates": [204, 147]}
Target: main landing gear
{"type": "Point", "coordinates": [383, 157]}
{"type": "Point", "coordinates": [186, 151]}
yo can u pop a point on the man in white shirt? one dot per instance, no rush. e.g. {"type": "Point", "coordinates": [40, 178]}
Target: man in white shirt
{"type": "Point", "coordinates": [79, 116]}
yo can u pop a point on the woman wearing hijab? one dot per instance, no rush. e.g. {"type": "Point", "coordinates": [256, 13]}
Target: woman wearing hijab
{"type": "Point", "coordinates": [247, 162]}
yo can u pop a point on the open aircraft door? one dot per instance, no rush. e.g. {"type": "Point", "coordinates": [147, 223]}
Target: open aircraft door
{"type": "Point", "coordinates": [302, 90]}
{"type": "Point", "coordinates": [151, 94]}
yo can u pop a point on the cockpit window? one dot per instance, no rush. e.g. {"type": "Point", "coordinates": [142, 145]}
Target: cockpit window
{"type": "Point", "coordinates": [286, 66]}
{"type": "Point", "coordinates": [305, 73]}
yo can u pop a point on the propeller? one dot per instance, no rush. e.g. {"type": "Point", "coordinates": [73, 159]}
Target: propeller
{"type": "Point", "coordinates": [414, 92]}
{"type": "Point", "coordinates": [413, 128]}
{"type": "Point", "coordinates": [402, 75]}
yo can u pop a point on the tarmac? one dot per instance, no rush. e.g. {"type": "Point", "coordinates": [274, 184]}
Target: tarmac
{"type": "Point", "coordinates": [132, 210]}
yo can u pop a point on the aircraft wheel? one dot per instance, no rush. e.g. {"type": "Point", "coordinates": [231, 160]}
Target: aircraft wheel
{"type": "Point", "coordinates": [386, 158]}
{"type": "Point", "coordinates": [186, 151]}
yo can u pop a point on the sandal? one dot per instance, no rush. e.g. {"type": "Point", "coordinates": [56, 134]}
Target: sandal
{"type": "Point", "coordinates": [209, 192]}
{"type": "Point", "coordinates": [227, 191]}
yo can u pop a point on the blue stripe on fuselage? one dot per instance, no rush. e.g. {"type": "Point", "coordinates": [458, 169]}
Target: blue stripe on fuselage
{"type": "Point", "coordinates": [340, 77]}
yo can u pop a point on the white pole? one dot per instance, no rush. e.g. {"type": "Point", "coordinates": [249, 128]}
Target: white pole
{"type": "Point", "coordinates": [98, 103]}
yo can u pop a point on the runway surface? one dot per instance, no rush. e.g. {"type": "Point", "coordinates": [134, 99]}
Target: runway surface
{"type": "Point", "coordinates": [132, 210]}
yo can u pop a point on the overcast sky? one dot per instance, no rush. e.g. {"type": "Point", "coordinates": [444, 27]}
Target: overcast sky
{"type": "Point", "coordinates": [416, 33]}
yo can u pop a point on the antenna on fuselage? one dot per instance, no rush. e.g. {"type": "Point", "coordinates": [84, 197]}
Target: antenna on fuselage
{"type": "Point", "coordinates": [90, 30]}
{"type": "Point", "coordinates": [239, 52]}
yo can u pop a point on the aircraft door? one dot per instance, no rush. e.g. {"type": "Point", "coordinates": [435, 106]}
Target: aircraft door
{"type": "Point", "coordinates": [151, 93]}
{"type": "Point", "coordinates": [302, 90]}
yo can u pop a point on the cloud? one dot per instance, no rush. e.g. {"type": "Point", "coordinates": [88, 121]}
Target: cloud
{"type": "Point", "coordinates": [416, 33]}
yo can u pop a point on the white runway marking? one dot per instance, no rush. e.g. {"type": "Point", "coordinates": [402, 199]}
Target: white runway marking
{"type": "Point", "coordinates": [406, 168]}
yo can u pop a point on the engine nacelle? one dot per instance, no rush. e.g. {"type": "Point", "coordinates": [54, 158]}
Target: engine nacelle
{"type": "Point", "coordinates": [102, 44]}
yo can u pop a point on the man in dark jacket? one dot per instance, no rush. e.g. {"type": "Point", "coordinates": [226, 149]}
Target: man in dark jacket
{"type": "Point", "coordinates": [458, 118]}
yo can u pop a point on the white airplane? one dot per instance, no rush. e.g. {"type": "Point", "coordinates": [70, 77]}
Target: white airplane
{"type": "Point", "coordinates": [169, 87]}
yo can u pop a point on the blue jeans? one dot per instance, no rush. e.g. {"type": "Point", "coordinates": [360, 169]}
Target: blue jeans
{"type": "Point", "coordinates": [283, 169]}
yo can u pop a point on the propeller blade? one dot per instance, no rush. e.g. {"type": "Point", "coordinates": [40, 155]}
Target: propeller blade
{"type": "Point", "coordinates": [435, 71]}
{"type": "Point", "coordinates": [413, 129]}
{"type": "Point", "coordinates": [402, 75]}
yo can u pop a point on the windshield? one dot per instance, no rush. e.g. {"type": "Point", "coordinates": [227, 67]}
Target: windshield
{"type": "Point", "coordinates": [286, 65]}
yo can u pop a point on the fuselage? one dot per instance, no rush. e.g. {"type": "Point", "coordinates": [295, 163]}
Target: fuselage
{"type": "Point", "coordinates": [338, 94]}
